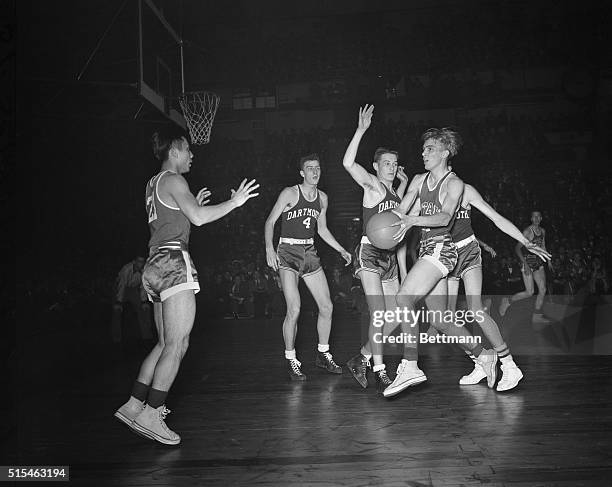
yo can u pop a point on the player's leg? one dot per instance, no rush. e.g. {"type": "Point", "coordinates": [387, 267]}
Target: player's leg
{"type": "Point", "coordinates": [539, 276]}
{"type": "Point", "coordinates": [317, 284]}
{"type": "Point", "coordinates": [453, 292]}
{"type": "Point", "coordinates": [528, 292]}
{"type": "Point", "coordinates": [140, 389]}
{"type": "Point", "coordinates": [511, 374]}
{"type": "Point", "coordinates": [178, 314]}
{"type": "Point", "coordinates": [289, 282]}
{"type": "Point", "coordinates": [373, 291]}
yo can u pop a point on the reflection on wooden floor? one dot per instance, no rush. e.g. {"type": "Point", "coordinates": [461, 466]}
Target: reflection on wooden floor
{"type": "Point", "coordinates": [244, 423]}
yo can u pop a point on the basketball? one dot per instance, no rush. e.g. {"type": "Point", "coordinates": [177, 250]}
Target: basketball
{"type": "Point", "coordinates": [380, 232]}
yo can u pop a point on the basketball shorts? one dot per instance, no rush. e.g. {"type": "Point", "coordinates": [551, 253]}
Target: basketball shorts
{"type": "Point", "coordinates": [468, 258]}
{"type": "Point", "coordinates": [372, 259]}
{"type": "Point", "coordinates": [441, 251]}
{"type": "Point", "coordinates": [299, 258]}
{"type": "Point", "coordinates": [534, 262]}
{"type": "Point", "coordinates": [169, 270]}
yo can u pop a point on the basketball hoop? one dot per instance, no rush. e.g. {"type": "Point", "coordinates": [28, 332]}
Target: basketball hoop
{"type": "Point", "coordinates": [199, 109]}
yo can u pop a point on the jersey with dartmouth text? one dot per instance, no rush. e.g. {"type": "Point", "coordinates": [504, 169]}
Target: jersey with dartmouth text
{"type": "Point", "coordinates": [389, 202]}
{"type": "Point", "coordinates": [300, 222]}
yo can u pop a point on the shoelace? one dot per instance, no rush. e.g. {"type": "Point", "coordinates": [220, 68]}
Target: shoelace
{"type": "Point", "coordinates": [384, 377]}
{"type": "Point", "coordinates": [295, 365]}
{"type": "Point", "coordinates": [400, 368]}
{"type": "Point", "coordinates": [164, 412]}
{"type": "Point", "coordinates": [330, 359]}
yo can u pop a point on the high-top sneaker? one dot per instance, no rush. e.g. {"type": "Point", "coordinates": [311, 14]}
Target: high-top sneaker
{"type": "Point", "coordinates": [358, 367]}
{"type": "Point", "coordinates": [408, 374]}
{"type": "Point", "coordinates": [326, 361]}
{"type": "Point", "coordinates": [295, 370]}
{"type": "Point", "coordinates": [128, 412]}
{"type": "Point", "coordinates": [382, 381]}
{"type": "Point", "coordinates": [151, 422]}
{"type": "Point", "coordinates": [511, 375]}
{"type": "Point", "coordinates": [488, 361]}
{"type": "Point", "coordinates": [474, 377]}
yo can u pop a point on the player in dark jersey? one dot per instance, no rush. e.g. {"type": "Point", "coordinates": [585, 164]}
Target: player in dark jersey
{"type": "Point", "coordinates": [469, 269]}
{"type": "Point", "coordinates": [304, 212]}
{"type": "Point", "coordinates": [170, 279]}
{"type": "Point", "coordinates": [532, 267]}
{"type": "Point", "coordinates": [435, 195]}
{"type": "Point", "coordinates": [376, 268]}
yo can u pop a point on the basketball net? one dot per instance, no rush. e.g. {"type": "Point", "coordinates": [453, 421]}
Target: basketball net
{"type": "Point", "coordinates": [199, 109]}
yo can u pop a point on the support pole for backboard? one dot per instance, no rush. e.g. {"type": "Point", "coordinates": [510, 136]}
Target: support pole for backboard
{"type": "Point", "coordinates": [182, 70]}
{"type": "Point", "coordinates": [91, 56]}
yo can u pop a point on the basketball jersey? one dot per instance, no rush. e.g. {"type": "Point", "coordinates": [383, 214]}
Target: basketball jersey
{"type": "Point", "coordinates": [389, 202]}
{"type": "Point", "coordinates": [431, 205]}
{"type": "Point", "coordinates": [166, 223]}
{"type": "Point", "coordinates": [462, 227]}
{"type": "Point", "coordinates": [301, 221]}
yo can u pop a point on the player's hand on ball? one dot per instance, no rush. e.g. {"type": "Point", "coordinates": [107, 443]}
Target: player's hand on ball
{"type": "Point", "coordinates": [244, 192]}
{"type": "Point", "coordinates": [272, 259]}
{"type": "Point", "coordinates": [346, 256]}
{"type": "Point", "coordinates": [365, 117]}
{"type": "Point", "coordinates": [539, 251]}
{"type": "Point", "coordinates": [403, 225]}
{"type": "Point", "coordinates": [203, 197]}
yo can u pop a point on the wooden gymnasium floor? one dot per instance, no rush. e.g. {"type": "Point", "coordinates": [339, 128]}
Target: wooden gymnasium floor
{"type": "Point", "coordinates": [244, 423]}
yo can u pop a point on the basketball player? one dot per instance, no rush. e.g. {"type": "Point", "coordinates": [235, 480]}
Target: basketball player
{"type": "Point", "coordinates": [532, 267]}
{"type": "Point", "coordinates": [170, 279]}
{"type": "Point", "coordinates": [437, 194]}
{"type": "Point", "coordinates": [303, 208]}
{"type": "Point", "coordinates": [376, 268]}
{"type": "Point", "coordinates": [469, 268]}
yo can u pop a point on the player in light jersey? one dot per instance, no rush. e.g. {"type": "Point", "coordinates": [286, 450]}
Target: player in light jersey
{"type": "Point", "coordinates": [435, 195]}
{"type": "Point", "coordinates": [469, 268]}
{"type": "Point", "coordinates": [531, 266]}
{"type": "Point", "coordinates": [170, 279]}
{"type": "Point", "coordinates": [376, 268]}
{"type": "Point", "coordinates": [304, 212]}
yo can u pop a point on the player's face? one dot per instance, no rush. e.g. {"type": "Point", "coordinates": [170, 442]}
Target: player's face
{"type": "Point", "coordinates": [536, 217]}
{"type": "Point", "coordinates": [184, 156]}
{"type": "Point", "coordinates": [434, 154]}
{"type": "Point", "coordinates": [386, 167]}
{"type": "Point", "coordinates": [311, 172]}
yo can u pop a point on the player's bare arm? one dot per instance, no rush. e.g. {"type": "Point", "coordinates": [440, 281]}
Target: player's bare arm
{"type": "Point", "coordinates": [286, 199]}
{"type": "Point", "coordinates": [474, 198]}
{"type": "Point", "coordinates": [403, 177]}
{"type": "Point", "coordinates": [362, 177]}
{"type": "Point", "coordinates": [326, 235]}
{"type": "Point", "coordinates": [411, 196]}
{"type": "Point", "coordinates": [175, 187]}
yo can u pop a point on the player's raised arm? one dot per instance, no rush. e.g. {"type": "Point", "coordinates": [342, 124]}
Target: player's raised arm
{"type": "Point", "coordinates": [176, 186]}
{"type": "Point", "coordinates": [357, 172]}
{"type": "Point", "coordinates": [403, 177]}
{"type": "Point", "coordinates": [286, 198]}
{"type": "Point", "coordinates": [473, 197]}
{"type": "Point", "coordinates": [326, 235]}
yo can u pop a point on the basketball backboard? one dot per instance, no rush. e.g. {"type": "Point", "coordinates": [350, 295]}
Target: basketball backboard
{"type": "Point", "coordinates": [159, 56]}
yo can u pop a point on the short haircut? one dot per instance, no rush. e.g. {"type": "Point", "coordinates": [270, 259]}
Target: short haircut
{"type": "Point", "coordinates": [378, 153]}
{"type": "Point", "coordinates": [164, 139]}
{"type": "Point", "coordinates": [449, 138]}
{"type": "Point", "coordinates": [308, 157]}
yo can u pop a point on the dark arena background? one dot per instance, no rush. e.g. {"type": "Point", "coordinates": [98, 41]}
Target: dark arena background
{"type": "Point", "coordinates": [528, 85]}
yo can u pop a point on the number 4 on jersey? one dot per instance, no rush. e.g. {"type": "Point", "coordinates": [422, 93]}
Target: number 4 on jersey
{"type": "Point", "coordinates": [306, 222]}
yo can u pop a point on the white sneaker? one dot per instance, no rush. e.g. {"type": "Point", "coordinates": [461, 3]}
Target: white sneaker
{"type": "Point", "coordinates": [128, 412]}
{"type": "Point", "coordinates": [474, 377]}
{"type": "Point", "coordinates": [511, 375]}
{"type": "Point", "coordinates": [408, 374]}
{"type": "Point", "coordinates": [488, 361]}
{"type": "Point", "coordinates": [150, 422]}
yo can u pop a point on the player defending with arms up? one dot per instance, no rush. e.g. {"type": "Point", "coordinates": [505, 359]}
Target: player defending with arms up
{"type": "Point", "coordinates": [376, 268]}
{"type": "Point", "coordinates": [170, 279]}
{"type": "Point", "coordinates": [303, 208]}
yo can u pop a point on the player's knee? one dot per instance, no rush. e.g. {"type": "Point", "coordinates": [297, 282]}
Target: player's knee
{"type": "Point", "coordinates": [326, 308]}
{"type": "Point", "coordinates": [293, 310]}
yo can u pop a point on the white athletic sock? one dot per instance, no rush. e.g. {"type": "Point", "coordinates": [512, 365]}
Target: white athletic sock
{"type": "Point", "coordinates": [290, 354]}
{"type": "Point", "coordinates": [322, 348]}
{"type": "Point", "coordinates": [376, 368]}
{"type": "Point", "coordinates": [507, 360]}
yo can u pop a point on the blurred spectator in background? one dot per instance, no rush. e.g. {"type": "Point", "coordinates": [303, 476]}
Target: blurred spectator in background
{"type": "Point", "coordinates": [129, 290]}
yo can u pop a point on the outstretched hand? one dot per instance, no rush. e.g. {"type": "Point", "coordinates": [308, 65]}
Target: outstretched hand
{"type": "Point", "coordinates": [244, 192]}
{"type": "Point", "coordinates": [403, 225]}
{"type": "Point", "coordinates": [203, 197]}
{"type": "Point", "coordinates": [365, 117]}
{"type": "Point", "coordinates": [539, 251]}
{"type": "Point", "coordinates": [401, 174]}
